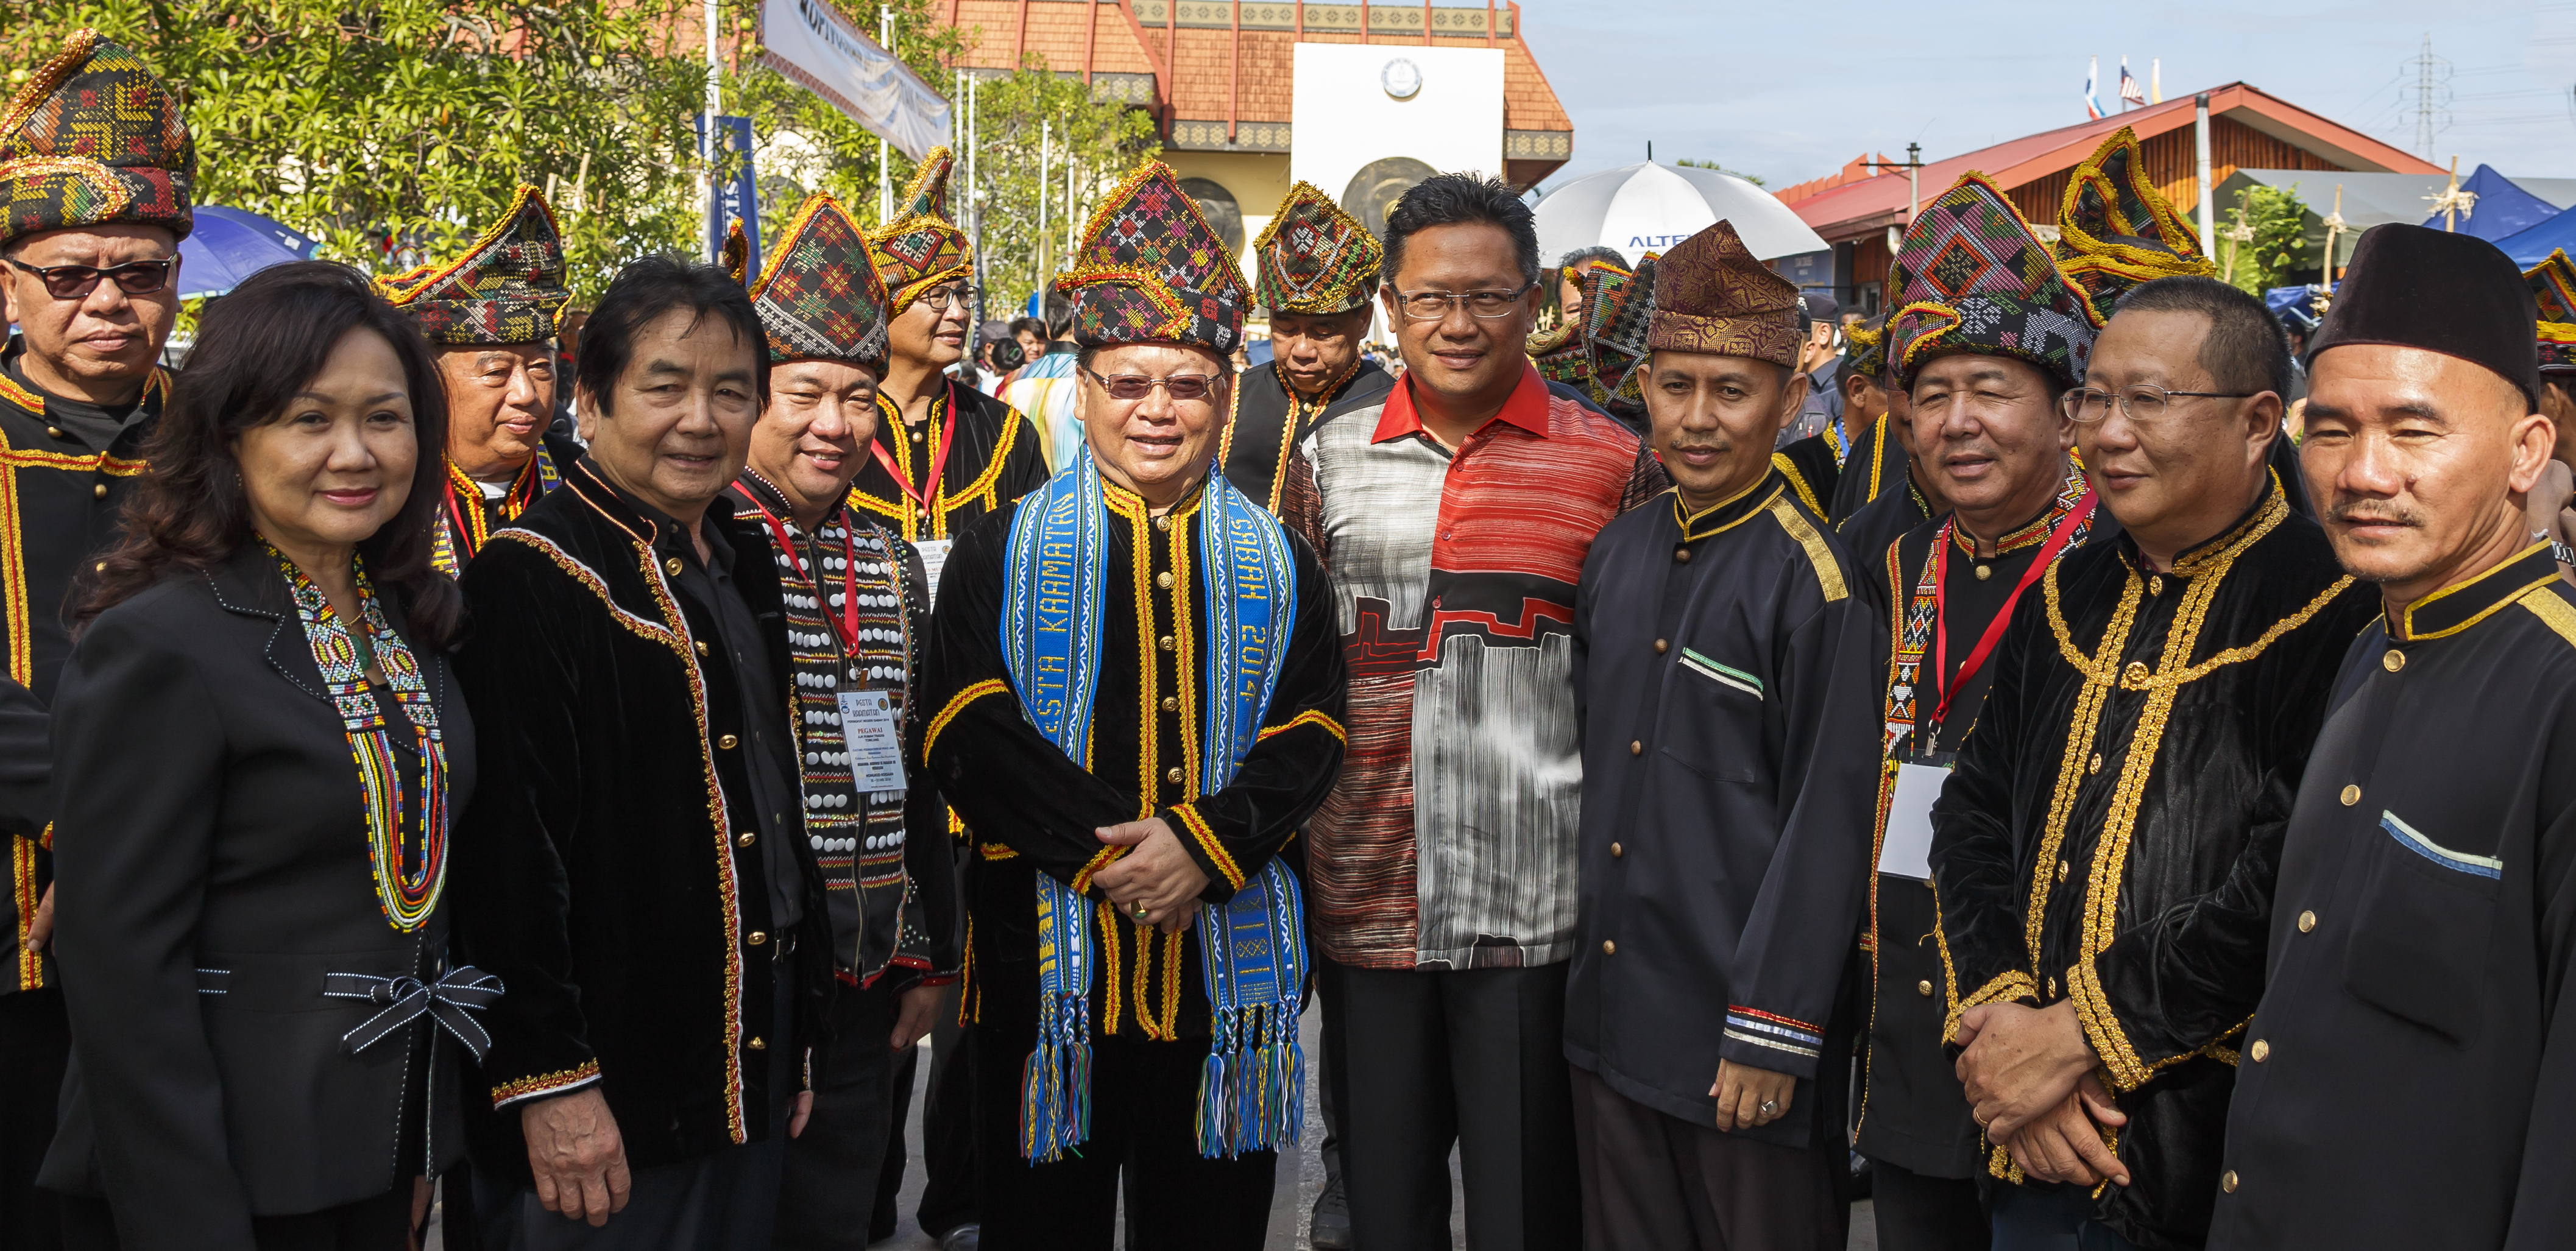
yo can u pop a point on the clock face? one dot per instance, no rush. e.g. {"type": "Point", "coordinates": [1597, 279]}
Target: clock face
{"type": "Point", "coordinates": [1401, 78]}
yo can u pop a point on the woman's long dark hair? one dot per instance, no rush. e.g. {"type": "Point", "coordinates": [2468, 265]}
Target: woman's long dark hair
{"type": "Point", "coordinates": [255, 349]}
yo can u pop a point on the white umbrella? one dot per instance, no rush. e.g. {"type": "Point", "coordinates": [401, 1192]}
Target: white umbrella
{"type": "Point", "coordinates": [1649, 207]}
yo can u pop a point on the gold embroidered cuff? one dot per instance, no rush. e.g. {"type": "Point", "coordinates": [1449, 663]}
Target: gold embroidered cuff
{"type": "Point", "coordinates": [2122, 1070]}
{"type": "Point", "coordinates": [2005, 988]}
{"type": "Point", "coordinates": [545, 1084]}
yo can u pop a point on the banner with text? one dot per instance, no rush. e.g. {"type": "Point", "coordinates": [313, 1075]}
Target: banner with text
{"type": "Point", "coordinates": [811, 42]}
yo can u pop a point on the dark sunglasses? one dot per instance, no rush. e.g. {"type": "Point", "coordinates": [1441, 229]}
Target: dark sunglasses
{"type": "Point", "coordinates": [1138, 386]}
{"type": "Point", "coordinates": [74, 282]}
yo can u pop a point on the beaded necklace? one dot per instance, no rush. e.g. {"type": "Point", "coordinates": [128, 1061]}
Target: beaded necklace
{"type": "Point", "coordinates": [409, 874]}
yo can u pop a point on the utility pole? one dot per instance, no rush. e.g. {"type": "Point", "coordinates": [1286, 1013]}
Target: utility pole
{"type": "Point", "coordinates": [2208, 193]}
{"type": "Point", "coordinates": [1038, 261]}
{"type": "Point", "coordinates": [707, 146]}
{"type": "Point", "coordinates": [885, 170]}
{"type": "Point", "coordinates": [1913, 167]}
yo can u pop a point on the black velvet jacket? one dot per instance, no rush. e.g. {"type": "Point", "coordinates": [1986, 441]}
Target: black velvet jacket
{"type": "Point", "coordinates": [216, 868]}
{"type": "Point", "coordinates": [996, 459]}
{"type": "Point", "coordinates": [607, 871]}
{"type": "Point", "coordinates": [2416, 1044]}
{"type": "Point", "coordinates": [1268, 419]}
{"type": "Point", "coordinates": [1837, 488]}
{"type": "Point", "coordinates": [1033, 809]}
{"type": "Point", "coordinates": [2113, 827]}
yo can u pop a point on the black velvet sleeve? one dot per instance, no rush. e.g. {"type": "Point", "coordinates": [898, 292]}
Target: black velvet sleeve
{"type": "Point", "coordinates": [1006, 781]}
{"type": "Point", "coordinates": [1235, 831]}
{"type": "Point", "coordinates": [519, 670]}
{"type": "Point", "coordinates": [26, 762]}
{"type": "Point", "coordinates": [1974, 882]}
{"type": "Point", "coordinates": [1025, 470]}
{"type": "Point", "coordinates": [140, 752]}
{"type": "Point", "coordinates": [929, 936]}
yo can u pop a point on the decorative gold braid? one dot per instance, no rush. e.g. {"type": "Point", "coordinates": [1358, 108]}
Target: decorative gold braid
{"type": "Point", "coordinates": [2004, 987]}
{"type": "Point", "coordinates": [1789, 469]}
{"type": "Point", "coordinates": [49, 78]}
{"type": "Point", "coordinates": [1829, 571]}
{"type": "Point", "coordinates": [1108, 920]}
{"type": "Point", "coordinates": [2084, 724]}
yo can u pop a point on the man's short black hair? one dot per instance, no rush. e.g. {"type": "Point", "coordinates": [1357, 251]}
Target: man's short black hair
{"type": "Point", "coordinates": [1059, 317]}
{"type": "Point", "coordinates": [1457, 199]}
{"type": "Point", "coordinates": [2243, 351]}
{"type": "Point", "coordinates": [1597, 252]}
{"type": "Point", "coordinates": [1028, 325]}
{"type": "Point", "coordinates": [643, 292]}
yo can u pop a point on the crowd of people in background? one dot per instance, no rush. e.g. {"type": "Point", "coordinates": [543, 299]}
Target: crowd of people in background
{"type": "Point", "coordinates": [2045, 751]}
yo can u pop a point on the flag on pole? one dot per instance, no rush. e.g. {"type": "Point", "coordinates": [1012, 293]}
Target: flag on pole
{"type": "Point", "coordinates": [2092, 97]}
{"type": "Point", "coordinates": [2156, 81]}
{"type": "Point", "coordinates": [2129, 92]}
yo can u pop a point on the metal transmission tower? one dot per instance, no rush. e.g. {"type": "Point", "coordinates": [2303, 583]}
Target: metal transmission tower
{"type": "Point", "coordinates": [2431, 111]}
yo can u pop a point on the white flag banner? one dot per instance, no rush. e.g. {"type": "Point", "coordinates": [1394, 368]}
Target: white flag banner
{"type": "Point", "coordinates": [811, 42]}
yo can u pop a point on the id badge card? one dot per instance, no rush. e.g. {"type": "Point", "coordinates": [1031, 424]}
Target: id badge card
{"type": "Point", "coordinates": [874, 740]}
{"type": "Point", "coordinates": [934, 557]}
{"type": "Point", "coordinates": [1907, 849]}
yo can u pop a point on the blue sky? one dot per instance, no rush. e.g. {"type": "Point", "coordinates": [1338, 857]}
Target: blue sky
{"type": "Point", "coordinates": [1790, 91]}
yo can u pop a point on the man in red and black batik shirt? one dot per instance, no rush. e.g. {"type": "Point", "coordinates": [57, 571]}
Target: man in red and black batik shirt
{"type": "Point", "coordinates": [1455, 518]}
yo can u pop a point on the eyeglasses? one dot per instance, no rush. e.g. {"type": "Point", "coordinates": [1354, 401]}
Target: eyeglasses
{"type": "Point", "coordinates": [1434, 305]}
{"type": "Point", "coordinates": [939, 298]}
{"type": "Point", "coordinates": [75, 282]}
{"type": "Point", "coordinates": [2143, 402]}
{"type": "Point", "coordinates": [1138, 386]}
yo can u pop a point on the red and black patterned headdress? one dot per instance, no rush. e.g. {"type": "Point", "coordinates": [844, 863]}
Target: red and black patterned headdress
{"type": "Point", "coordinates": [1617, 311]}
{"type": "Point", "coordinates": [506, 288]}
{"type": "Point", "coordinates": [922, 248]}
{"type": "Point", "coordinates": [2115, 230]}
{"type": "Point", "coordinates": [1151, 270]}
{"type": "Point", "coordinates": [1315, 258]}
{"type": "Point", "coordinates": [1564, 354]}
{"type": "Point", "coordinates": [94, 138]}
{"type": "Point", "coordinates": [2553, 288]}
{"type": "Point", "coordinates": [819, 296]}
{"type": "Point", "coordinates": [1713, 297]}
{"type": "Point", "coordinates": [1972, 277]}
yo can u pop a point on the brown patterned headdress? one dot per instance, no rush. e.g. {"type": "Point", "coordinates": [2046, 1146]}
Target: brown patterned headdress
{"type": "Point", "coordinates": [1315, 258]}
{"type": "Point", "coordinates": [1151, 270]}
{"type": "Point", "coordinates": [922, 248]}
{"type": "Point", "coordinates": [819, 296]}
{"type": "Point", "coordinates": [2115, 230]}
{"type": "Point", "coordinates": [2553, 288]}
{"type": "Point", "coordinates": [1972, 276]}
{"type": "Point", "coordinates": [506, 288]}
{"type": "Point", "coordinates": [92, 138]}
{"type": "Point", "coordinates": [1712, 297]}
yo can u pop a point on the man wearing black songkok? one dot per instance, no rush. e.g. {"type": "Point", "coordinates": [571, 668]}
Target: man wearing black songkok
{"type": "Point", "coordinates": [2103, 855]}
{"type": "Point", "coordinates": [2415, 1050]}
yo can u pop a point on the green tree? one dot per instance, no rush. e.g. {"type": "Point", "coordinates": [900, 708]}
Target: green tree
{"type": "Point", "coordinates": [2264, 243]}
{"type": "Point", "coordinates": [1089, 144]}
{"type": "Point", "coordinates": [1696, 163]}
{"type": "Point", "coordinates": [395, 130]}
{"type": "Point", "coordinates": [801, 144]}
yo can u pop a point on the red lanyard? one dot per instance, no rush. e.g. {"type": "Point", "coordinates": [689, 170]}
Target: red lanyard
{"type": "Point", "coordinates": [928, 497]}
{"type": "Point", "coordinates": [1951, 686]}
{"type": "Point", "coordinates": [848, 626]}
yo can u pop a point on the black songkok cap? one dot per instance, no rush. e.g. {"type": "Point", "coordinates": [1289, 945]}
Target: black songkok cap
{"type": "Point", "coordinates": [2449, 293]}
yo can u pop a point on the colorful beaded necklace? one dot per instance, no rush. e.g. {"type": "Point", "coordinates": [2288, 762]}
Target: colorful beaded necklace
{"type": "Point", "coordinates": [409, 875]}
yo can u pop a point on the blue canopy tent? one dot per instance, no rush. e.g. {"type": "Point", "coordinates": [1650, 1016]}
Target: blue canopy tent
{"type": "Point", "coordinates": [2533, 246]}
{"type": "Point", "coordinates": [2502, 208]}
{"type": "Point", "coordinates": [2295, 306]}
{"type": "Point", "coordinates": [229, 245]}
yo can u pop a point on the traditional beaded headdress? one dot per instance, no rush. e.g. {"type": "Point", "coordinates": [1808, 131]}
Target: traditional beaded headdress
{"type": "Point", "coordinates": [1713, 297]}
{"type": "Point", "coordinates": [922, 248]}
{"type": "Point", "coordinates": [1868, 353]}
{"type": "Point", "coordinates": [1616, 312]}
{"type": "Point", "coordinates": [1565, 353]}
{"type": "Point", "coordinates": [2115, 230]}
{"type": "Point", "coordinates": [94, 138]}
{"type": "Point", "coordinates": [2553, 288]}
{"type": "Point", "coordinates": [506, 288]}
{"type": "Point", "coordinates": [1151, 270]}
{"type": "Point", "coordinates": [1315, 258]}
{"type": "Point", "coordinates": [1972, 276]}
{"type": "Point", "coordinates": [819, 296]}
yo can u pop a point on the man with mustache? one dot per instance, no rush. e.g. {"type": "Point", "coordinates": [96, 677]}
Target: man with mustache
{"type": "Point", "coordinates": [857, 607]}
{"type": "Point", "coordinates": [491, 314]}
{"type": "Point", "coordinates": [1722, 678]}
{"type": "Point", "coordinates": [1317, 273]}
{"type": "Point", "coordinates": [2103, 853]}
{"type": "Point", "coordinates": [2414, 1052]}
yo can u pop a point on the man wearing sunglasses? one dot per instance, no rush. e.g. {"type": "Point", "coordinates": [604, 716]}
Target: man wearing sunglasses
{"type": "Point", "coordinates": [1455, 517]}
{"type": "Point", "coordinates": [90, 281]}
{"type": "Point", "coordinates": [2104, 853]}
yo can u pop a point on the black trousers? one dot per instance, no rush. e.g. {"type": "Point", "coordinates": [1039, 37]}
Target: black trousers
{"type": "Point", "coordinates": [828, 1186]}
{"type": "Point", "coordinates": [949, 1194]}
{"type": "Point", "coordinates": [35, 1044]}
{"type": "Point", "coordinates": [1422, 1061]}
{"type": "Point", "coordinates": [1144, 1130]}
{"type": "Point", "coordinates": [1653, 1182]}
{"type": "Point", "coordinates": [1916, 1212]}
{"type": "Point", "coordinates": [382, 1223]}
{"type": "Point", "coordinates": [723, 1201]}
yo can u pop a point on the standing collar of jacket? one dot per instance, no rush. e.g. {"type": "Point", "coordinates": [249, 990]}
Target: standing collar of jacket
{"type": "Point", "coordinates": [1526, 408]}
{"type": "Point", "coordinates": [2221, 550]}
{"type": "Point", "coordinates": [647, 524]}
{"type": "Point", "coordinates": [1728, 512]}
{"type": "Point", "coordinates": [2463, 604]}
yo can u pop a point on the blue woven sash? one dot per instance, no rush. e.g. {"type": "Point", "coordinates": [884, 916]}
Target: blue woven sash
{"type": "Point", "coordinates": [1253, 948]}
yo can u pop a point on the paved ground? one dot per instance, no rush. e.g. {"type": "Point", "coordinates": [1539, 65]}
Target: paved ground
{"type": "Point", "coordinates": [1300, 1176]}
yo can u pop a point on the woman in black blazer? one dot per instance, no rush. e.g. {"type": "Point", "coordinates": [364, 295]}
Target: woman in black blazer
{"type": "Point", "coordinates": [258, 748]}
